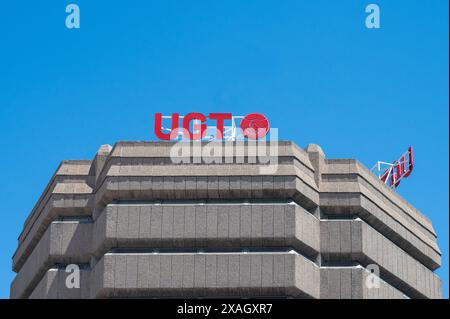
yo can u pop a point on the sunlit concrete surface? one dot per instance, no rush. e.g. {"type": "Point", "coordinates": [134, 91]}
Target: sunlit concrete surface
{"type": "Point", "coordinates": [139, 225]}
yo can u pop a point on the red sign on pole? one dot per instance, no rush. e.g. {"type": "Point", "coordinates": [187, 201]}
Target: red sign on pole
{"type": "Point", "coordinates": [398, 170]}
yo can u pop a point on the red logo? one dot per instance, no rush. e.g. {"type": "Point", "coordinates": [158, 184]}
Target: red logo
{"type": "Point", "coordinates": [400, 169]}
{"type": "Point", "coordinates": [253, 126]}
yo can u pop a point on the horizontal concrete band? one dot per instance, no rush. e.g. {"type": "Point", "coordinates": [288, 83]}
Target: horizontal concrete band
{"type": "Point", "coordinates": [151, 152]}
{"type": "Point", "coordinates": [150, 149]}
{"type": "Point", "coordinates": [174, 226]}
{"type": "Point", "coordinates": [160, 188]}
{"type": "Point", "coordinates": [58, 184]}
{"type": "Point", "coordinates": [416, 248]}
{"type": "Point", "coordinates": [139, 167]}
{"type": "Point", "coordinates": [354, 283]}
{"type": "Point", "coordinates": [356, 186]}
{"type": "Point", "coordinates": [207, 187]}
{"type": "Point", "coordinates": [341, 242]}
{"type": "Point", "coordinates": [63, 242]}
{"type": "Point", "coordinates": [258, 187]}
{"type": "Point", "coordinates": [53, 286]}
{"type": "Point", "coordinates": [205, 275]}
{"type": "Point", "coordinates": [148, 188]}
{"type": "Point", "coordinates": [354, 240]}
{"type": "Point", "coordinates": [208, 225]}
{"type": "Point", "coordinates": [164, 149]}
{"type": "Point", "coordinates": [83, 173]}
{"type": "Point", "coordinates": [217, 161]}
{"type": "Point", "coordinates": [284, 149]}
{"type": "Point", "coordinates": [215, 275]}
{"type": "Point", "coordinates": [376, 186]}
{"type": "Point", "coordinates": [347, 205]}
{"type": "Point", "coordinates": [57, 206]}
{"type": "Point", "coordinates": [214, 187]}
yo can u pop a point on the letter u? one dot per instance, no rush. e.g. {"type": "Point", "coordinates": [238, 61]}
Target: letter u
{"type": "Point", "coordinates": [173, 132]}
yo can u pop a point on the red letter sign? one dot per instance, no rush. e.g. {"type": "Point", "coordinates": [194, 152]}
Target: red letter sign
{"type": "Point", "coordinates": [186, 129]}
{"type": "Point", "coordinates": [220, 118]}
{"type": "Point", "coordinates": [398, 170]}
{"type": "Point", "coordinates": [158, 127]}
{"type": "Point", "coordinates": [255, 126]}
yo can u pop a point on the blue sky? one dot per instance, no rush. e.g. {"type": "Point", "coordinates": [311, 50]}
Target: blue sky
{"type": "Point", "coordinates": [312, 67]}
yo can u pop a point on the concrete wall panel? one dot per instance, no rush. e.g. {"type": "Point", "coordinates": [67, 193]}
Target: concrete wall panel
{"type": "Point", "coordinates": [376, 249]}
{"type": "Point", "coordinates": [209, 225]}
{"type": "Point", "coordinates": [197, 275]}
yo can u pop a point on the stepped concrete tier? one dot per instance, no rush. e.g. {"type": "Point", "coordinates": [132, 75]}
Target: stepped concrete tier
{"type": "Point", "coordinates": [140, 221]}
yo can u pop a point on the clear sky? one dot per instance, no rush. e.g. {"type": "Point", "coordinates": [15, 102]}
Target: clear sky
{"type": "Point", "coordinates": [311, 66]}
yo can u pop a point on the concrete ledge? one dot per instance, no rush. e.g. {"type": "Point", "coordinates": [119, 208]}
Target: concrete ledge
{"type": "Point", "coordinates": [151, 152]}
{"type": "Point", "coordinates": [350, 283]}
{"type": "Point", "coordinates": [52, 286]}
{"type": "Point", "coordinates": [207, 188]}
{"type": "Point", "coordinates": [205, 275]}
{"type": "Point", "coordinates": [60, 185]}
{"type": "Point", "coordinates": [63, 242]}
{"type": "Point", "coordinates": [354, 240]}
{"type": "Point", "coordinates": [353, 204]}
{"type": "Point", "coordinates": [57, 206]}
{"type": "Point", "coordinates": [162, 149]}
{"type": "Point", "coordinates": [70, 172]}
{"type": "Point", "coordinates": [341, 169]}
{"type": "Point", "coordinates": [357, 185]}
{"type": "Point", "coordinates": [191, 225]}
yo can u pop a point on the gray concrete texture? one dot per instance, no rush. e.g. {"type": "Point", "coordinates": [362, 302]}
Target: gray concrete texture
{"type": "Point", "coordinates": [354, 240]}
{"type": "Point", "coordinates": [227, 226]}
{"type": "Point", "coordinates": [205, 275]}
{"type": "Point", "coordinates": [141, 225]}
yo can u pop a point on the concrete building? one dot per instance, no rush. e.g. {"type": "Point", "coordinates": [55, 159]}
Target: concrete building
{"type": "Point", "coordinates": [139, 225]}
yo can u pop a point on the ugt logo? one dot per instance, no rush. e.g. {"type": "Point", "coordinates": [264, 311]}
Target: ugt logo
{"type": "Point", "coordinates": [194, 126]}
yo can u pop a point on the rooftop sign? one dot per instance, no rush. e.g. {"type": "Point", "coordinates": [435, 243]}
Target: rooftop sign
{"type": "Point", "coordinates": [395, 172]}
{"type": "Point", "coordinates": [223, 126]}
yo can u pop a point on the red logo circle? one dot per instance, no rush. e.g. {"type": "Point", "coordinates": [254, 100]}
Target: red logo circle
{"type": "Point", "coordinates": [255, 126]}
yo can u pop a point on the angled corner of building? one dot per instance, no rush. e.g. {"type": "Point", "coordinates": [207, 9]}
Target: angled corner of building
{"type": "Point", "coordinates": [139, 224]}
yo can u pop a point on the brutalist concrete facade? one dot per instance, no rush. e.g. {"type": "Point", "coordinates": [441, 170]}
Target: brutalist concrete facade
{"type": "Point", "coordinates": [140, 225]}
